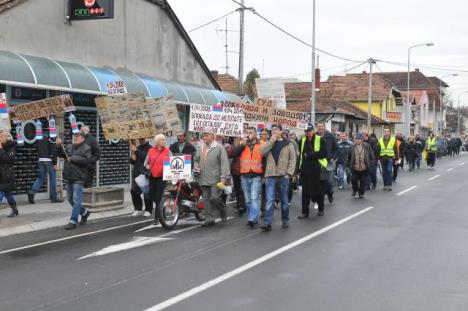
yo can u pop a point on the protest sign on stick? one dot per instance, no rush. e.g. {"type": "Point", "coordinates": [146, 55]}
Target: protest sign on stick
{"type": "Point", "coordinates": [53, 106]}
{"type": "Point", "coordinates": [225, 120]}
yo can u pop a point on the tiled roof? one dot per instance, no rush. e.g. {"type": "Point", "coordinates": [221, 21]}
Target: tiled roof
{"type": "Point", "coordinates": [355, 87]}
{"type": "Point", "coordinates": [227, 82]}
{"type": "Point", "coordinates": [438, 82]}
{"type": "Point", "coordinates": [418, 81]}
{"type": "Point", "coordinates": [331, 106]}
{"type": "Point", "coordinates": [432, 95]}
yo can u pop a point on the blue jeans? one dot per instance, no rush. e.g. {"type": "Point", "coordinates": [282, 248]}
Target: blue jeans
{"type": "Point", "coordinates": [252, 188]}
{"type": "Point", "coordinates": [271, 185]}
{"type": "Point", "coordinates": [46, 167]}
{"type": "Point", "coordinates": [387, 171]}
{"type": "Point", "coordinates": [9, 196]}
{"type": "Point", "coordinates": [418, 160]}
{"type": "Point", "coordinates": [75, 198]}
{"type": "Point", "coordinates": [341, 175]}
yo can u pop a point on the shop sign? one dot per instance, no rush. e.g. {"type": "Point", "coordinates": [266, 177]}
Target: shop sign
{"type": "Point", "coordinates": [91, 9]}
{"type": "Point", "coordinates": [393, 116]}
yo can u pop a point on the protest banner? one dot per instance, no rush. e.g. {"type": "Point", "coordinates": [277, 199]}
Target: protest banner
{"type": "Point", "coordinates": [132, 116]}
{"type": "Point", "coordinates": [177, 167]}
{"type": "Point", "coordinates": [290, 118]}
{"type": "Point", "coordinates": [225, 120]}
{"type": "Point", "coordinates": [54, 106]}
{"type": "Point", "coordinates": [5, 124]}
{"type": "Point", "coordinates": [273, 89]}
{"type": "Point", "coordinates": [116, 88]}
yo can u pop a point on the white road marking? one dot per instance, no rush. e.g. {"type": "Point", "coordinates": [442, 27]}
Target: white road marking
{"type": "Point", "coordinates": [198, 289]}
{"type": "Point", "coordinates": [135, 243]}
{"type": "Point", "coordinates": [450, 169]}
{"type": "Point", "coordinates": [139, 242]}
{"type": "Point", "coordinates": [71, 237]}
{"type": "Point", "coordinates": [148, 228]}
{"type": "Point", "coordinates": [461, 164]}
{"type": "Point", "coordinates": [405, 191]}
{"type": "Point", "coordinates": [434, 177]}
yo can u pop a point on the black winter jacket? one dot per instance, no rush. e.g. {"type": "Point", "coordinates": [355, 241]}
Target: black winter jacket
{"type": "Point", "coordinates": [76, 164]}
{"type": "Point", "coordinates": [92, 142]}
{"type": "Point", "coordinates": [139, 163]}
{"type": "Point", "coordinates": [7, 171]}
{"type": "Point", "coordinates": [46, 149]}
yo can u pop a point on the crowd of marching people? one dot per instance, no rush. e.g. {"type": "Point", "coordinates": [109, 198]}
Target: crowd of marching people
{"type": "Point", "coordinates": [264, 169]}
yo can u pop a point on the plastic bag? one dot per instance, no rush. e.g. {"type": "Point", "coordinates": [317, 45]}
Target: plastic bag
{"type": "Point", "coordinates": [424, 155]}
{"type": "Point", "coordinates": [143, 183]}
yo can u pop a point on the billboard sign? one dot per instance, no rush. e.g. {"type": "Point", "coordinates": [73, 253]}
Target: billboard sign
{"type": "Point", "coordinates": [90, 9]}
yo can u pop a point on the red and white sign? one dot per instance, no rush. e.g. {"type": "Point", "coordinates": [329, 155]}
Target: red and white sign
{"type": "Point", "coordinates": [116, 88]}
{"type": "Point", "coordinates": [4, 117]}
{"type": "Point", "coordinates": [393, 116]}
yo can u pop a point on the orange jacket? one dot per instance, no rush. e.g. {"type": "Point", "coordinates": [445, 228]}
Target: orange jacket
{"type": "Point", "coordinates": [251, 161]}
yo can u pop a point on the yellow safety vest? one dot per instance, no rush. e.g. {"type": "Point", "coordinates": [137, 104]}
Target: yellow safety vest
{"type": "Point", "coordinates": [431, 145]}
{"type": "Point", "coordinates": [323, 162]}
{"type": "Point", "coordinates": [387, 151]}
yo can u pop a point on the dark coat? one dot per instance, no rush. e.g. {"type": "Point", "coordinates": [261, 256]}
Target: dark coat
{"type": "Point", "coordinates": [342, 151]}
{"type": "Point", "coordinates": [139, 163]}
{"type": "Point", "coordinates": [412, 151]}
{"type": "Point", "coordinates": [7, 171]}
{"type": "Point", "coordinates": [93, 144]}
{"type": "Point", "coordinates": [76, 165]}
{"type": "Point", "coordinates": [330, 142]}
{"type": "Point", "coordinates": [369, 157]}
{"type": "Point", "coordinates": [310, 168]}
{"type": "Point", "coordinates": [189, 149]}
{"type": "Point", "coordinates": [46, 149]}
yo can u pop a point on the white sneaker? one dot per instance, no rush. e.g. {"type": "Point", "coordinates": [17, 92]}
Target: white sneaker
{"type": "Point", "coordinates": [146, 214]}
{"type": "Point", "coordinates": [137, 213]}
{"type": "Point", "coordinates": [315, 206]}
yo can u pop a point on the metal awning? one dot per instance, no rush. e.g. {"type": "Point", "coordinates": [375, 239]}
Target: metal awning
{"type": "Point", "coordinates": [44, 73]}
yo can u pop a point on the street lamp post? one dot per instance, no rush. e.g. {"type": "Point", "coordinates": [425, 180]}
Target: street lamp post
{"type": "Point", "coordinates": [312, 97]}
{"type": "Point", "coordinates": [407, 127]}
{"type": "Point", "coordinates": [458, 113]}
{"type": "Point", "coordinates": [441, 99]}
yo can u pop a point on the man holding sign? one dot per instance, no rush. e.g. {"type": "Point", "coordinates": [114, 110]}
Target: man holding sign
{"type": "Point", "coordinates": [211, 164]}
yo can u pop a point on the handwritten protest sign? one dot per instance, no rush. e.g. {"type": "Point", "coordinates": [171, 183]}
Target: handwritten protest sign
{"type": "Point", "coordinates": [132, 116]}
{"type": "Point", "coordinates": [5, 124]}
{"type": "Point", "coordinates": [226, 120]}
{"type": "Point", "coordinates": [177, 167]}
{"type": "Point", "coordinates": [116, 88]}
{"type": "Point", "coordinates": [53, 106]}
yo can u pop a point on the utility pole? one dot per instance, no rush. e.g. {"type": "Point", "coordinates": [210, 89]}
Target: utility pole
{"type": "Point", "coordinates": [241, 47]}
{"type": "Point", "coordinates": [312, 97]}
{"type": "Point", "coordinates": [226, 47]}
{"type": "Point", "coordinates": [369, 99]}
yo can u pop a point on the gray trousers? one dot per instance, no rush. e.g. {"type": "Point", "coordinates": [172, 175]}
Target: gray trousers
{"type": "Point", "coordinates": [212, 197]}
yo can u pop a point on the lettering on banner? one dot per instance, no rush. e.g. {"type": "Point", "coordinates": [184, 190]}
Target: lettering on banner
{"type": "Point", "coordinates": [44, 108]}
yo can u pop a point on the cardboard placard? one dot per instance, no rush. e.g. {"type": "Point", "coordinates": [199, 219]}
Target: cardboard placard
{"type": "Point", "coordinates": [54, 106]}
{"type": "Point", "coordinates": [225, 120]}
{"type": "Point", "coordinates": [177, 167]}
{"type": "Point", "coordinates": [132, 116]}
{"type": "Point", "coordinates": [116, 88]}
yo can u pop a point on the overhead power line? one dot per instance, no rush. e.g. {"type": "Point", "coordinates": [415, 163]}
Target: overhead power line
{"type": "Point", "coordinates": [213, 21]}
{"type": "Point", "coordinates": [431, 67]}
{"type": "Point", "coordinates": [291, 35]}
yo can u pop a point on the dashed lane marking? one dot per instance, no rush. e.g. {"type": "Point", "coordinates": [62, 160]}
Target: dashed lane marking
{"type": "Point", "coordinates": [450, 169]}
{"type": "Point", "coordinates": [434, 177]}
{"type": "Point", "coordinates": [407, 190]}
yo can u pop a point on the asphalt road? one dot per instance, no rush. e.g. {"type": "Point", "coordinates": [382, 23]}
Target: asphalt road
{"type": "Point", "coordinates": [403, 250]}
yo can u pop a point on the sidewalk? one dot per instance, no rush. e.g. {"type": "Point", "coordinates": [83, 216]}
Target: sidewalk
{"type": "Point", "coordinates": [45, 215]}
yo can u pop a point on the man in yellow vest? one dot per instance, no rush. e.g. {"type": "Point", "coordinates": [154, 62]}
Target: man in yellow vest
{"type": "Point", "coordinates": [431, 149]}
{"type": "Point", "coordinates": [388, 153]}
{"type": "Point", "coordinates": [251, 169]}
{"type": "Point", "coordinates": [313, 171]}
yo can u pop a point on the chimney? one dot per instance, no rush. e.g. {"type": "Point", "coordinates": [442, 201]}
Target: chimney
{"type": "Point", "coordinates": [215, 73]}
{"type": "Point", "coordinates": [317, 78]}
{"type": "Point", "coordinates": [416, 69]}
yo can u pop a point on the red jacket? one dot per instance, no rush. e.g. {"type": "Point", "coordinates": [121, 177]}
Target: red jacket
{"type": "Point", "coordinates": [156, 160]}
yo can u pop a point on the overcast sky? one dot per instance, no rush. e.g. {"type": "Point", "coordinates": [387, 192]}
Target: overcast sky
{"type": "Point", "coordinates": [358, 30]}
